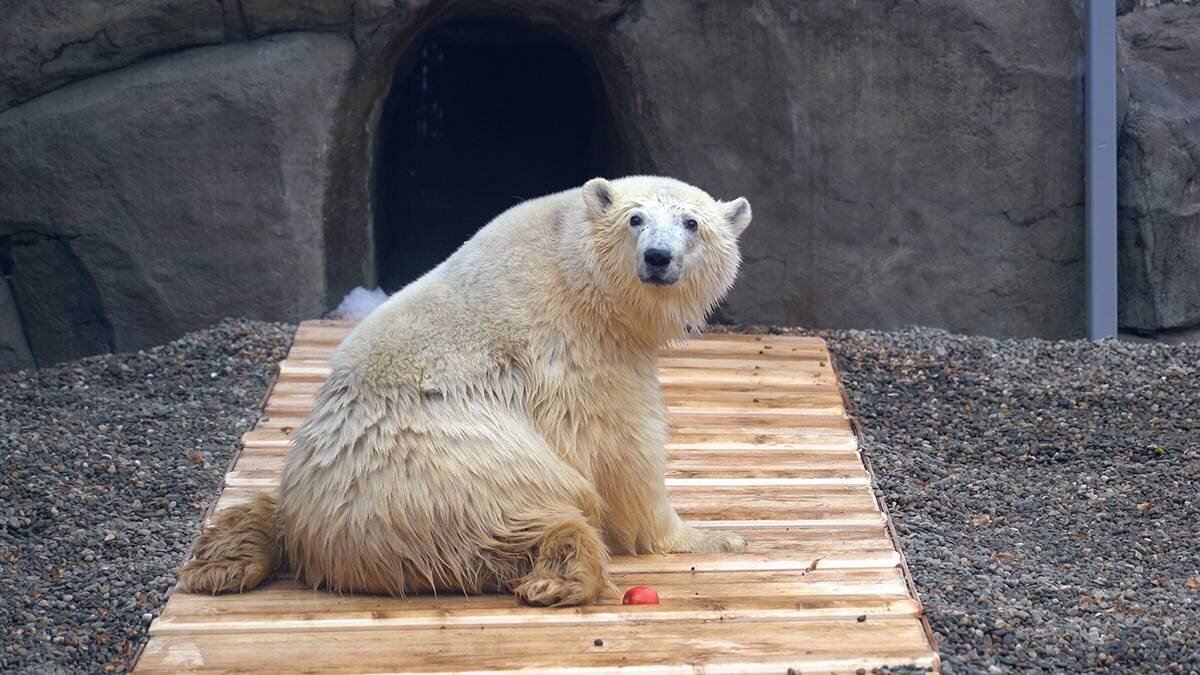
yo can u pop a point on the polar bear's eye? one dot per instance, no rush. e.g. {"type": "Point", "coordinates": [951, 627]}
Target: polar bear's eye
{"type": "Point", "coordinates": [635, 221]}
{"type": "Point", "coordinates": [691, 224]}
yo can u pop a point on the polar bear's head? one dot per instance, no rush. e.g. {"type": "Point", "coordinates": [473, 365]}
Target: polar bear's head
{"type": "Point", "coordinates": [664, 243]}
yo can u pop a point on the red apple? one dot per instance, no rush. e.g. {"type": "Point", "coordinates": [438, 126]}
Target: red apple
{"type": "Point", "coordinates": [640, 595]}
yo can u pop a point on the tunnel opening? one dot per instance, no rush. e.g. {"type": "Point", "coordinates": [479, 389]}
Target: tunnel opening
{"type": "Point", "coordinates": [481, 116]}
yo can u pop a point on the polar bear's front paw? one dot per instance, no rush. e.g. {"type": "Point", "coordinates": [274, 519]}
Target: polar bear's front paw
{"type": "Point", "coordinates": [689, 540]}
{"type": "Point", "coordinates": [551, 592]}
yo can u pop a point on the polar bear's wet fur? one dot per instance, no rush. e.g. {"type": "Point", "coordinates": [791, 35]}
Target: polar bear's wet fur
{"type": "Point", "coordinates": [498, 424]}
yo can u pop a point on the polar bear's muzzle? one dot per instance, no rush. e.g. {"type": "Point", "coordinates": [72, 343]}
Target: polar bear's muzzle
{"type": "Point", "coordinates": [659, 267]}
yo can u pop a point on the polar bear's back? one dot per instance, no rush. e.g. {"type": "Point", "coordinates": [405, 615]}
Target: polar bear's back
{"type": "Point", "coordinates": [469, 315]}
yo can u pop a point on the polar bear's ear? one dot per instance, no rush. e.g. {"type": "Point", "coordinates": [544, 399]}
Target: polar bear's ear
{"type": "Point", "coordinates": [598, 195]}
{"type": "Point", "coordinates": [737, 213]}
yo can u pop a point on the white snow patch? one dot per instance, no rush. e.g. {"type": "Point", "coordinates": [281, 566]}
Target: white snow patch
{"type": "Point", "coordinates": [358, 303]}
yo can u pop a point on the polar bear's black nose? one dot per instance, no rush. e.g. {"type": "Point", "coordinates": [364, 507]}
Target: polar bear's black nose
{"type": "Point", "coordinates": [658, 257]}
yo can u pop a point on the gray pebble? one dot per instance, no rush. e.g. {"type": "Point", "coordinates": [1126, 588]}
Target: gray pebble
{"type": "Point", "coordinates": [87, 445]}
{"type": "Point", "coordinates": [1044, 493]}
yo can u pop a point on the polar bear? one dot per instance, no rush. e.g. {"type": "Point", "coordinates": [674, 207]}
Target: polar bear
{"type": "Point", "coordinates": [497, 425]}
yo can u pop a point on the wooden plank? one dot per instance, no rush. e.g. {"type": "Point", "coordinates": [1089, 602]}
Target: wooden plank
{"type": "Point", "coordinates": [757, 419]}
{"type": "Point", "coordinates": [710, 356]}
{"type": "Point", "coordinates": [799, 459]}
{"type": "Point", "coordinates": [750, 423]}
{"type": "Point", "coordinates": [712, 402]}
{"type": "Point", "coordinates": [797, 374]}
{"type": "Point", "coordinates": [744, 364]}
{"type": "Point", "coordinates": [699, 428]}
{"type": "Point", "coordinates": [284, 605]}
{"type": "Point", "coordinates": [755, 502]}
{"type": "Point", "coordinates": [797, 395]}
{"type": "Point", "coordinates": [332, 332]}
{"type": "Point", "coordinates": [322, 332]}
{"type": "Point", "coordinates": [754, 562]}
{"type": "Point", "coordinates": [650, 646]}
{"type": "Point", "coordinates": [771, 340]}
{"type": "Point", "coordinates": [505, 610]}
{"type": "Point", "coordinates": [335, 329]}
{"type": "Point", "coordinates": [265, 470]}
{"type": "Point", "coordinates": [722, 348]}
{"type": "Point", "coordinates": [255, 474]}
{"type": "Point", "coordinates": [292, 415]}
{"type": "Point", "coordinates": [815, 399]}
{"type": "Point", "coordinates": [268, 435]}
{"type": "Point", "coordinates": [794, 548]}
{"type": "Point", "coordinates": [731, 463]}
{"type": "Point", "coordinates": [806, 375]}
{"type": "Point", "coordinates": [735, 390]}
{"type": "Point", "coordinates": [676, 378]}
{"type": "Point", "coordinates": [297, 407]}
{"type": "Point", "coordinates": [830, 402]}
{"type": "Point", "coordinates": [270, 477]}
{"type": "Point", "coordinates": [739, 514]}
{"type": "Point", "coordinates": [760, 436]}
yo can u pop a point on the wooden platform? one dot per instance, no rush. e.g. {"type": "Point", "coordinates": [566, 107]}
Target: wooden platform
{"type": "Point", "coordinates": [760, 443]}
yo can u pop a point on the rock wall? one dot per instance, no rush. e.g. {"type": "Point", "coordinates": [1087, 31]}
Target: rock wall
{"type": "Point", "coordinates": [157, 198]}
{"type": "Point", "coordinates": [14, 348]}
{"type": "Point", "coordinates": [164, 164]}
{"type": "Point", "coordinates": [1159, 170]}
{"type": "Point", "coordinates": [909, 163]}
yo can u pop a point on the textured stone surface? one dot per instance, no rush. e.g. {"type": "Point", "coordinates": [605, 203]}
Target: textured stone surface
{"type": "Point", "coordinates": [48, 43]}
{"type": "Point", "coordinates": [59, 302]}
{"type": "Point", "coordinates": [909, 163]}
{"type": "Point", "coordinates": [1126, 6]}
{"type": "Point", "coordinates": [164, 196]}
{"type": "Point", "coordinates": [14, 348]}
{"type": "Point", "coordinates": [1159, 170]}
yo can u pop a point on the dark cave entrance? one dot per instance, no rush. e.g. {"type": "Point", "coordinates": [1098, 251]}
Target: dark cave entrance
{"type": "Point", "coordinates": [481, 115]}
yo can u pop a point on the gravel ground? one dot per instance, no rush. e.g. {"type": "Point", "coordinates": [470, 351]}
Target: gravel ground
{"type": "Point", "coordinates": [1046, 494]}
{"type": "Point", "coordinates": [108, 465]}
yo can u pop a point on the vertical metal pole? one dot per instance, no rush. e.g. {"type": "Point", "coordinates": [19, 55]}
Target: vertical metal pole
{"type": "Point", "coordinates": [1101, 128]}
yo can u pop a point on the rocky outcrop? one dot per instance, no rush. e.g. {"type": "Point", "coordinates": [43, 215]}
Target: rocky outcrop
{"type": "Point", "coordinates": [1159, 170]}
{"type": "Point", "coordinates": [60, 304]}
{"type": "Point", "coordinates": [46, 44]}
{"type": "Point", "coordinates": [49, 43]}
{"type": "Point", "coordinates": [142, 203]}
{"type": "Point", "coordinates": [14, 347]}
